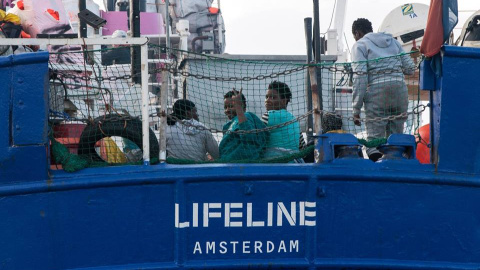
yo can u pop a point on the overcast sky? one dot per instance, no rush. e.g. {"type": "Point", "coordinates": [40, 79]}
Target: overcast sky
{"type": "Point", "coordinates": [277, 26]}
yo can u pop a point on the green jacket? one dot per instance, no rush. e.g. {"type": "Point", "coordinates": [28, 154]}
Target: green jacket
{"type": "Point", "coordinates": [246, 146]}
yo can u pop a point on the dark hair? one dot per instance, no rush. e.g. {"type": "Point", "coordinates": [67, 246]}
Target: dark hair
{"type": "Point", "coordinates": [180, 109]}
{"type": "Point", "coordinates": [232, 93]}
{"type": "Point", "coordinates": [331, 122]}
{"type": "Point", "coordinates": [362, 25]}
{"type": "Point", "coordinates": [282, 89]}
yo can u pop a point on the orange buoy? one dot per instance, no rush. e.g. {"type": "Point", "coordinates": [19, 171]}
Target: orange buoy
{"type": "Point", "coordinates": [423, 142]}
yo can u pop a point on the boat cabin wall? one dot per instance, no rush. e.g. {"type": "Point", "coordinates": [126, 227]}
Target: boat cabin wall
{"type": "Point", "coordinates": [23, 121]}
{"type": "Point", "coordinates": [455, 115]}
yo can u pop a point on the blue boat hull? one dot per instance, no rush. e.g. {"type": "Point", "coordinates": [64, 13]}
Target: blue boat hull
{"type": "Point", "coordinates": [340, 214]}
{"type": "Point", "coordinates": [364, 219]}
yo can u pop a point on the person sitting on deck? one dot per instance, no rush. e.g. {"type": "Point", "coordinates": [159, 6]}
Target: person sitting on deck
{"type": "Point", "coordinates": [379, 85]}
{"type": "Point", "coordinates": [235, 145]}
{"type": "Point", "coordinates": [187, 138]}
{"type": "Point", "coordinates": [332, 123]}
{"type": "Point", "coordinates": [286, 139]}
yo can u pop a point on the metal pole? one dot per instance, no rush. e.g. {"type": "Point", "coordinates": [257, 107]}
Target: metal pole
{"type": "Point", "coordinates": [316, 31]}
{"type": "Point", "coordinates": [167, 22]}
{"type": "Point", "coordinates": [220, 28]}
{"type": "Point", "coordinates": [145, 106]}
{"type": "Point", "coordinates": [433, 144]}
{"type": "Point", "coordinates": [163, 117]}
{"type": "Point", "coordinates": [318, 60]}
{"type": "Point", "coordinates": [135, 31]}
{"type": "Point", "coordinates": [82, 29]}
{"type": "Point", "coordinates": [109, 5]}
{"type": "Point", "coordinates": [308, 88]}
{"type": "Point", "coordinates": [166, 78]}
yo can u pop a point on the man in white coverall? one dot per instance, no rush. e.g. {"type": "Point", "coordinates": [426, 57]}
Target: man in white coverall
{"type": "Point", "coordinates": [378, 82]}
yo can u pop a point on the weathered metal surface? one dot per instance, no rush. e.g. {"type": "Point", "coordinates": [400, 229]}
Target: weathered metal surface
{"type": "Point", "coordinates": [243, 216]}
{"type": "Point", "coordinates": [23, 117]}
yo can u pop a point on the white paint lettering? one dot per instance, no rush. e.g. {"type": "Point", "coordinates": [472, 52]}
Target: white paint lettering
{"type": "Point", "coordinates": [210, 246]}
{"type": "Point", "coordinates": [270, 246]}
{"type": "Point", "coordinates": [246, 247]}
{"type": "Point", "coordinates": [227, 215]}
{"type": "Point", "coordinates": [250, 222]}
{"type": "Point", "coordinates": [223, 247]}
{"type": "Point", "coordinates": [197, 248]}
{"type": "Point", "coordinates": [291, 217]}
{"type": "Point", "coordinates": [234, 244]}
{"type": "Point", "coordinates": [195, 215]}
{"type": "Point", "coordinates": [302, 214]}
{"type": "Point", "coordinates": [282, 247]}
{"type": "Point", "coordinates": [258, 247]}
{"type": "Point", "coordinates": [207, 214]}
{"type": "Point", "coordinates": [294, 245]}
{"type": "Point", "coordinates": [230, 214]}
{"type": "Point", "coordinates": [311, 213]}
{"type": "Point", "coordinates": [177, 218]}
{"type": "Point", "coordinates": [236, 215]}
{"type": "Point", "coordinates": [270, 214]}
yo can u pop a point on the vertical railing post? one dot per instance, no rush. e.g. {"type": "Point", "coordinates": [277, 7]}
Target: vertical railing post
{"type": "Point", "coordinates": [318, 49]}
{"type": "Point", "coordinates": [315, 93]}
{"type": "Point", "coordinates": [167, 24]}
{"type": "Point", "coordinates": [308, 87]}
{"type": "Point", "coordinates": [135, 30]}
{"type": "Point", "coordinates": [163, 117]}
{"type": "Point", "coordinates": [145, 104]}
{"type": "Point", "coordinates": [82, 27]}
{"type": "Point", "coordinates": [164, 89]}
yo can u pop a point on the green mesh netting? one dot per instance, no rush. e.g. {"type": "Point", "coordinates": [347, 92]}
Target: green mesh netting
{"type": "Point", "coordinates": [239, 110]}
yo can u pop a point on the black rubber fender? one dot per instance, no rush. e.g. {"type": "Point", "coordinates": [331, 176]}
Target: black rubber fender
{"type": "Point", "coordinates": [113, 125]}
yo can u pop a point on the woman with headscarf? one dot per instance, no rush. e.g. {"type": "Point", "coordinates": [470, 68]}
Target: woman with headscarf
{"type": "Point", "coordinates": [187, 138]}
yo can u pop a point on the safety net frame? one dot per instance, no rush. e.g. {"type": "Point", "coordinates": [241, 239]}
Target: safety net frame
{"type": "Point", "coordinates": [204, 80]}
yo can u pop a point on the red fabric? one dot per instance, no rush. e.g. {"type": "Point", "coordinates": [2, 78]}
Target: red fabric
{"type": "Point", "coordinates": [23, 34]}
{"type": "Point", "coordinates": [54, 14]}
{"type": "Point", "coordinates": [433, 38]}
{"type": "Point", "coordinates": [20, 5]}
{"type": "Point", "coordinates": [213, 10]}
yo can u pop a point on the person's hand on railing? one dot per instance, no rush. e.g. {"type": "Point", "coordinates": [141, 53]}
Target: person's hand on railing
{"type": "Point", "coordinates": [356, 120]}
{"type": "Point", "coordinates": [415, 53]}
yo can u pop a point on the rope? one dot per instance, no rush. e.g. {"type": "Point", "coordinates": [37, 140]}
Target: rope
{"type": "Point", "coordinates": [373, 142]}
{"type": "Point", "coordinates": [283, 159]}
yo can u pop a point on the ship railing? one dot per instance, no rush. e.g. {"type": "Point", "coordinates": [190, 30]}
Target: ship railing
{"type": "Point", "coordinates": [95, 43]}
{"type": "Point", "coordinates": [175, 74]}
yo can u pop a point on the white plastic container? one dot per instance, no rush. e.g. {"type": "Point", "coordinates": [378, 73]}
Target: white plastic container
{"type": "Point", "coordinates": [71, 8]}
{"type": "Point", "coordinates": [37, 20]}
